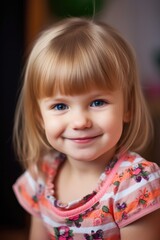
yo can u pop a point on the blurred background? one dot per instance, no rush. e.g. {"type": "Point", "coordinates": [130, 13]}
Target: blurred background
{"type": "Point", "coordinates": [21, 21]}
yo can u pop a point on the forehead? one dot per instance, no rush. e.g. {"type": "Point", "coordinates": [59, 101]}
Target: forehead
{"type": "Point", "coordinates": [85, 98]}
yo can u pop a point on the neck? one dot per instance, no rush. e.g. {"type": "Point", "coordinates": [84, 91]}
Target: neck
{"type": "Point", "coordinates": [95, 166]}
{"type": "Point", "coordinates": [80, 177]}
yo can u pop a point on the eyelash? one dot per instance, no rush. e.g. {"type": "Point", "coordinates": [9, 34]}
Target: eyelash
{"type": "Point", "coordinates": [63, 106]}
{"type": "Point", "coordinates": [101, 101]}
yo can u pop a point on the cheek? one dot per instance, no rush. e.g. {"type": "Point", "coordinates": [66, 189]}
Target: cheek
{"type": "Point", "coordinates": [51, 134]}
{"type": "Point", "coordinates": [114, 132]}
{"type": "Point", "coordinates": [115, 127]}
{"type": "Point", "coordinates": [113, 124]}
{"type": "Point", "coordinates": [53, 128]}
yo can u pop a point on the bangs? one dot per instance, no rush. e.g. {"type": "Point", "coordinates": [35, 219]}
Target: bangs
{"type": "Point", "coordinates": [69, 78]}
{"type": "Point", "coordinates": [75, 65]}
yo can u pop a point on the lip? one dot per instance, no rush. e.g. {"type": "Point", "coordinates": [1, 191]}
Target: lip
{"type": "Point", "coordinates": [81, 140]}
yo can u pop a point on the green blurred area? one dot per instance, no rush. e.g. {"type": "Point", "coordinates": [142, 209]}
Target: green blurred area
{"type": "Point", "coordinates": [75, 8]}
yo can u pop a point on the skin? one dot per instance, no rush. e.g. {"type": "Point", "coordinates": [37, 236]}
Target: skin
{"type": "Point", "coordinates": [87, 128]}
{"type": "Point", "coordinates": [37, 230]}
{"type": "Point", "coordinates": [146, 228]}
{"type": "Point", "coordinates": [75, 124]}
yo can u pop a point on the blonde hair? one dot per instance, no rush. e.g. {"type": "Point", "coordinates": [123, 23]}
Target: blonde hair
{"type": "Point", "coordinates": [72, 57]}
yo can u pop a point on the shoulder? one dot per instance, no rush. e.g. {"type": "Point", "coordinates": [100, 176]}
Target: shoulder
{"type": "Point", "coordinates": [133, 166]}
{"type": "Point", "coordinates": [137, 188]}
{"type": "Point", "coordinates": [37, 175]}
{"type": "Point", "coordinates": [147, 227]}
{"type": "Point", "coordinates": [48, 164]}
{"type": "Point", "coordinates": [30, 186]}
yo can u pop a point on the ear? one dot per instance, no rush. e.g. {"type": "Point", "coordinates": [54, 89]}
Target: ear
{"type": "Point", "coordinates": [127, 117]}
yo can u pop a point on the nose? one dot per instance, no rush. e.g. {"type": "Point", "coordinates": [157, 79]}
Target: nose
{"type": "Point", "coordinates": [81, 120]}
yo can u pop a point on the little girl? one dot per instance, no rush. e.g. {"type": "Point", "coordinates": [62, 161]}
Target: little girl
{"type": "Point", "coordinates": [81, 123]}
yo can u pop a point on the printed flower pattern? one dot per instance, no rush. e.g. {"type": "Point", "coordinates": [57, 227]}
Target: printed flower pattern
{"type": "Point", "coordinates": [121, 208]}
{"type": "Point", "coordinates": [138, 172]}
{"type": "Point", "coordinates": [143, 197]}
{"type": "Point", "coordinates": [115, 205]}
{"type": "Point", "coordinates": [38, 193]}
{"type": "Point", "coordinates": [94, 235]}
{"type": "Point", "coordinates": [63, 233]}
{"type": "Point", "coordinates": [75, 220]}
{"type": "Point", "coordinates": [110, 165]}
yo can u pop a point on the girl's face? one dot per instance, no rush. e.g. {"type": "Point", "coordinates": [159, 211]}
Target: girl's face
{"type": "Point", "coordinates": [84, 127]}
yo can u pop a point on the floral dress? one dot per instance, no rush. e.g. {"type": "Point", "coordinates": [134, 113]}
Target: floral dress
{"type": "Point", "coordinates": [128, 189]}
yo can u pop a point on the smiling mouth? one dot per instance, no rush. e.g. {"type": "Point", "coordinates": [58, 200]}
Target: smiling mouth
{"type": "Point", "coordinates": [83, 139]}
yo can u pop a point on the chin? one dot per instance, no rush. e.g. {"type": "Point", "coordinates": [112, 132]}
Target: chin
{"type": "Point", "coordinates": [85, 157]}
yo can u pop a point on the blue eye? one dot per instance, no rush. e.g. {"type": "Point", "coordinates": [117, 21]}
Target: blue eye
{"type": "Point", "coordinates": [60, 107]}
{"type": "Point", "coordinates": [97, 103]}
